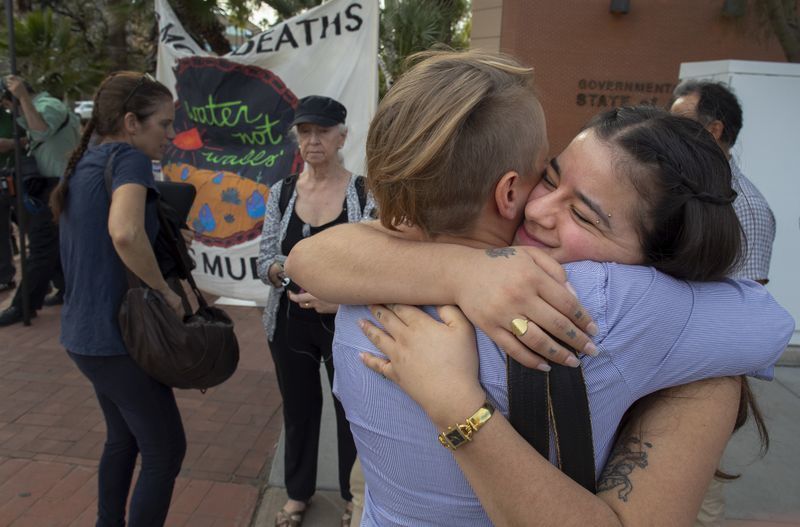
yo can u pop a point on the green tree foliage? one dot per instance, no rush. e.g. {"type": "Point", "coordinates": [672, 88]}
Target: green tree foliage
{"type": "Point", "coordinates": [409, 26]}
{"type": "Point", "coordinates": [783, 17]}
{"type": "Point", "coordinates": [201, 18]}
{"type": "Point", "coordinates": [105, 35]}
{"type": "Point", "coordinates": [764, 20]}
{"type": "Point", "coordinates": [52, 57]}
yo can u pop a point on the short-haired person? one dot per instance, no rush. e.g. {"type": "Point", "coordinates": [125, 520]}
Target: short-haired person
{"type": "Point", "coordinates": [300, 326]}
{"type": "Point", "coordinates": [717, 108]}
{"type": "Point", "coordinates": [101, 236]}
{"type": "Point", "coordinates": [53, 132]}
{"type": "Point", "coordinates": [457, 160]}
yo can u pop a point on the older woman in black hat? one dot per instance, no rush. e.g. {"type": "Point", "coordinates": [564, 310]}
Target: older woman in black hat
{"type": "Point", "coordinates": [299, 326]}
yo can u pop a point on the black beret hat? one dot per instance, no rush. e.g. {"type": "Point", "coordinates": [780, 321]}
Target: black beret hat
{"type": "Point", "coordinates": [320, 110]}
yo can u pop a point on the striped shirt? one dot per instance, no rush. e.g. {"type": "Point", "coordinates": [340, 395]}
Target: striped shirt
{"type": "Point", "coordinates": [653, 334]}
{"type": "Point", "coordinates": [758, 228]}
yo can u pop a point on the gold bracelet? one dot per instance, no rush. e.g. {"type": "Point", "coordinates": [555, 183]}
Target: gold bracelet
{"type": "Point", "coordinates": [457, 435]}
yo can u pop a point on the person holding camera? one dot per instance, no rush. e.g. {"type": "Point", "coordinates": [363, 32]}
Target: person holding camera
{"type": "Point", "coordinates": [52, 131]}
{"type": "Point", "coordinates": [7, 270]}
{"type": "Point", "coordinates": [300, 326]}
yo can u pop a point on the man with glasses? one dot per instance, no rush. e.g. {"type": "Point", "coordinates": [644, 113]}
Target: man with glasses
{"type": "Point", "coordinates": [53, 131]}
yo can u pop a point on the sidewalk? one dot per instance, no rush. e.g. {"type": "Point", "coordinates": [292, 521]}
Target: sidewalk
{"type": "Point", "coordinates": [51, 435]}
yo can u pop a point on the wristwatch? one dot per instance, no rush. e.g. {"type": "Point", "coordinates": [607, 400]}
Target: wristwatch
{"type": "Point", "coordinates": [457, 435]}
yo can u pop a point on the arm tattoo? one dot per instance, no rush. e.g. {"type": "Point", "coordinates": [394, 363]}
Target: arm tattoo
{"type": "Point", "coordinates": [627, 455]}
{"type": "Point", "coordinates": [498, 252]}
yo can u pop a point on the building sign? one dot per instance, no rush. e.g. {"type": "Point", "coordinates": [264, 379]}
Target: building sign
{"type": "Point", "coordinates": [597, 93]}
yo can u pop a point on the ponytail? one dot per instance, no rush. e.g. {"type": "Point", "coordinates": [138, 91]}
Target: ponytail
{"type": "Point", "coordinates": [59, 194]}
{"type": "Point", "coordinates": [119, 93]}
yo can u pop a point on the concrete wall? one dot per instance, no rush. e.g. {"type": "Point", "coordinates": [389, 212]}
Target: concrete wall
{"type": "Point", "coordinates": [768, 154]}
{"type": "Point", "coordinates": [588, 60]}
{"type": "Point", "coordinates": [486, 24]}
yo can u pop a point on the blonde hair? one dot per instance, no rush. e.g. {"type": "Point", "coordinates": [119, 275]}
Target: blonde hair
{"type": "Point", "coordinates": [445, 133]}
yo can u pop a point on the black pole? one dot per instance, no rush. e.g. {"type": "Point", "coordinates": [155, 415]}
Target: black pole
{"type": "Point", "coordinates": [21, 217]}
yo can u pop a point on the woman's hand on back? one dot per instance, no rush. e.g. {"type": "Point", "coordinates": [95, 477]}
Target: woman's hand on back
{"type": "Point", "coordinates": [435, 363]}
{"type": "Point", "coordinates": [524, 283]}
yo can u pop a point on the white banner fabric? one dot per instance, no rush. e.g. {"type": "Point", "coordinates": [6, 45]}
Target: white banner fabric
{"type": "Point", "coordinates": [232, 117]}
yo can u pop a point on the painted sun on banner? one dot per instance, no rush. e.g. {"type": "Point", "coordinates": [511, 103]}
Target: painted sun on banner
{"type": "Point", "coordinates": [231, 143]}
{"type": "Point", "coordinates": [232, 123]}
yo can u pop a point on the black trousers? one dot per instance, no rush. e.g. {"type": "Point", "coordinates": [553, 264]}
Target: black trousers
{"type": "Point", "coordinates": [297, 349]}
{"type": "Point", "coordinates": [44, 262]}
{"type": "Point", "coordinates": [141, 418]}
{"type": "Point", "coordinates": [6, 255]}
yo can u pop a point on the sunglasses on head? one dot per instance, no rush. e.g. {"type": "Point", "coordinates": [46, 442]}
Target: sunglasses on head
{"type": "Point", "coordinates": [145, 76]}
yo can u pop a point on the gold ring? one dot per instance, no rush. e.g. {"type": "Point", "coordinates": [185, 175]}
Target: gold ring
{"type": "Point", "coordinates": [308, 304]}
{"type": "Point", "coordinates": [519, 326]}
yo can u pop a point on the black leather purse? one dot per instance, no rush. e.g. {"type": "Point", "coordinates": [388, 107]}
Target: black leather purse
{"type": "Point", "coordinates": [198, 350]}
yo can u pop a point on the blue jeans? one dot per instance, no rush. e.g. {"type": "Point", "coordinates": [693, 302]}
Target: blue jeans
{"type": "Point", "coordinates": [141, 417]}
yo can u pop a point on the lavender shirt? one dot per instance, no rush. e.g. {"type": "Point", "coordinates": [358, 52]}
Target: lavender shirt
{"type": "Point", "coordinates": [655, 332]}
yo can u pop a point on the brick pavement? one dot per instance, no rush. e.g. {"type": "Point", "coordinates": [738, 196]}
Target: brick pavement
{"type": "Point", "coordinates": [52, 433]}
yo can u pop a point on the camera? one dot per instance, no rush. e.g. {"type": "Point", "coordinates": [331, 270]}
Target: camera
{"type": "Point", "coordinates": [294, 287]}
{"type": "Point", "coordinates": [7, 187]}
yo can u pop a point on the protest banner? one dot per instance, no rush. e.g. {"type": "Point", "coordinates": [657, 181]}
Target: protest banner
{"type": "Point", "coordinates": [231, 122]}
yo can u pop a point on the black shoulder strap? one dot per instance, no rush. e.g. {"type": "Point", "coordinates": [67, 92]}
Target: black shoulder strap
{"type": "Point", "coordinates": [133, 280]}
{"type": "Point", "coordinates": [361, 190]}
{"type": "Point", "coordinates": [527, 389]}
{"type": "Point", "coordinates": [290, 182]}
{"type": "Point", "coordinates": [538, 400]}
{"type": "Point", "coordinates": [572, 422]}
{"type": "Point", "coordinates": [287, 189]}
{"type": "Point", "coordinates": [40, 143]}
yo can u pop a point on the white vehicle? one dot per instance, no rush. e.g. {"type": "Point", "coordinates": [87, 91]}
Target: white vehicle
{"type": "Point", "coordinates": [84, 109]}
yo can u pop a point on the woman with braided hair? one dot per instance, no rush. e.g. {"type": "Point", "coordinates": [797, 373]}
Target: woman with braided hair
{"type": "Point", "coordinates": [103, 231]}
{"type": "Point", "coordinates": [637, 187]}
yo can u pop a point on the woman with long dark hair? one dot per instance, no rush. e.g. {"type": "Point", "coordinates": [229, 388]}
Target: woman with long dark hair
{"type": "Point", "coordinates": [637, 187]}
{"type": "Point", "coordinates": [103, 232]}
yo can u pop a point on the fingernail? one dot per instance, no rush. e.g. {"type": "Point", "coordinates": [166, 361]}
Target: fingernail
{"type": "Point", "coordinates": [571, 289]}
{"type": "Point", "coordinates": [592, 329]}
{"type": "Point", "coordinates": [573, 361]}
{"type": "Point", "coordinates": [362, 324]}
{"type": "Point", "coordinates": [590, 349]}
{"type": "Point", "coordinates": [543, 367]}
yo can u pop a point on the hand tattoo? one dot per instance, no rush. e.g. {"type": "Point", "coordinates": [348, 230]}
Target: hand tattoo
{"type": "Point", "coordinates": [627, 455]}
{"type": "Point", "coordinates": [506, 252]}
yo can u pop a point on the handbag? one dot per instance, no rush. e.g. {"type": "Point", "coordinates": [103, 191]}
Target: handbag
{"type": "Point", "coordinates": [198, 350]}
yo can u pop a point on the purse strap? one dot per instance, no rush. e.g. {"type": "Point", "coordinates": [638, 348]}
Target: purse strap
{"type": "Point", "coordinates": [539, 402]}
{"type": "Point", "coordinates": [133, 280]}
{"type": "Point", "coordinates": [179, 260]}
